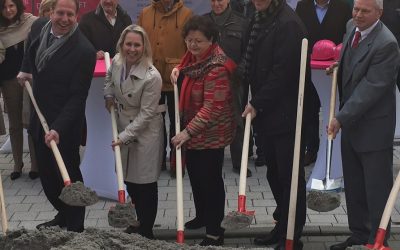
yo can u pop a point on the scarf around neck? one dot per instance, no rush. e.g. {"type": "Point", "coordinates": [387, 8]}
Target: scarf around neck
{"type": "Point", "coordinates": [45, 51]}
{"type": "Point", "coordinates": [18, 31]}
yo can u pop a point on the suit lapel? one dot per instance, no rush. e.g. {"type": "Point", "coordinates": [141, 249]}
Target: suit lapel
{"type": "Point", "coordinates": [361, 51]}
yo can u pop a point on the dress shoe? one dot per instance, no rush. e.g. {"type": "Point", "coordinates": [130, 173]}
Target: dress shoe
{"type": "Point", "coordinates": [15, 175]}
{"type": "Point", "coordinates": [131, 230]}
{"type": "Point", "coordinates": [297, 245]}
{"type": "Point", "coordinates": [53, 223]}
{"type": "Point", "coordinates": [194, 224]}
{"type": "Point", "coordinates": [207, 241]}
{"type": "Point", "coordinates": [33, 175]}
{"type": "Point", "coordinates": [348, 243]}
{"type": "Point", "coordinates": [270, 239]}
{"type": "Point", "coordinates": [237, 170]}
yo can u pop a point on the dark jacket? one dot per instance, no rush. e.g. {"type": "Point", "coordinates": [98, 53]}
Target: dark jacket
{"type": "Point", "coordinates": [231, 34]}
{"type": "Point", "coordinates": [246, 9]}
{"type": "Point", "coordinates": [391, 17]}
{"type": "Point", "coordinates": [95, 26]}
{"type": "Point", "coordinates": [274, 73]}
{"type": "Point", "coordinates": [333, 26]}
{"type": "Point", "coordinates": [61, 88]}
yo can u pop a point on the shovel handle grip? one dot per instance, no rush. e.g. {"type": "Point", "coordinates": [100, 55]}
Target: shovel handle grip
{"type": "Point", "coordinates": [53, 145]}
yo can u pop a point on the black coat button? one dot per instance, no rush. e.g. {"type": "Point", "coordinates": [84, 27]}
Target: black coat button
{"type": "Point", "coordinates": [129, 95]}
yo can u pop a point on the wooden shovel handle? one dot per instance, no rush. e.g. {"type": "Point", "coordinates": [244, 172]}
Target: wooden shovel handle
{"type": "Point", "coordinates": [4, 222]}
{"type": "Point", "coordinates": [245, 155]}
{"type": "Point", "coordinates": [117, 149]}
{"type": "Point", "coordinates": [332, 103]}
{"type": "Point", "coordinates": [296, 156]}
{"type": "Point", "coordinates": [179, 184]}
{"type": "Point", "coordinates": [53, 145]}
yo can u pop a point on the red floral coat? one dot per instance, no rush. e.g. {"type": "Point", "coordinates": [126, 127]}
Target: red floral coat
{"type": "Point", "coordinates": [206, 101]}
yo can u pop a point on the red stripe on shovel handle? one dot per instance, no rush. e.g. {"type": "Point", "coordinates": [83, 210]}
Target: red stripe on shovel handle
{"type": "Point", "coordinates": [67, 183]}
{"type": "Point", "coordinates": [379, 238]}
{"type": "Point", "coordinates": [289, 245]}
{"type": "Point", "coordinates": [121, 196]}
{"type": "Point", "coordinates": [242, 203]}
{"type": "Point", "coordinates": [180, 237]}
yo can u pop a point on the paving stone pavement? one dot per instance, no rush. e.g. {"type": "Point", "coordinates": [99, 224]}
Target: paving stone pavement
{"type": "Point", "coordinates": [27, 206]}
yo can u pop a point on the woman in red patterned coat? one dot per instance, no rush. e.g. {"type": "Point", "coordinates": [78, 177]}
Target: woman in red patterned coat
{"type": "Point", "coordinates": [206, 108]}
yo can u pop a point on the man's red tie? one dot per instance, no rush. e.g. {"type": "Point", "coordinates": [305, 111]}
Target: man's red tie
{"type": "Point", "coordinates": [356, 40]}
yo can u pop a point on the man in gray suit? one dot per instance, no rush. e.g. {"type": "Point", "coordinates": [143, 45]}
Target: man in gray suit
{"type": "Point", "coordinates": [366, 83]}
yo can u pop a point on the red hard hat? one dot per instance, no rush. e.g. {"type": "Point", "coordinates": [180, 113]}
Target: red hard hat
{"type": "Point", "coordinates": [323, 50]}
{"type": "Point", "coordinates": [337, 51]}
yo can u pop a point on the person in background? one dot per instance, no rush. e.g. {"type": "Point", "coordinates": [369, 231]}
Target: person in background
{"type": "Point", "coordinates": [135, 84]}
{"type": "Point", "coordinates": [232, 27]}
{"type": "Point", "coordinates": [271, 65]}
{"type": "Point", "coordinates": [45, 8]}
{"type": "Point", "coordinates": [103, 26]}
{"type": "Point", "coordinates": [324, 19]}
{"type": "Point", "coordinates": [208, 119]}
{"type": "Point", "coordinates": [391, 18]}
{"type": "Point", "coordinates": [163, 21]}
{"type": "Point", "coordinates": [61, 61]}
{"type": "Point", "coordinates": [15, 26]}
{"type": "Point", "coordinates": [245, 7]}
{"type": "Point", "coordinates": [367, 77]}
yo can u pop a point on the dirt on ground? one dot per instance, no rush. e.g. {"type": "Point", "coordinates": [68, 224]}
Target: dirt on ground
{"type": "Point", "coordinates": [91, 239]}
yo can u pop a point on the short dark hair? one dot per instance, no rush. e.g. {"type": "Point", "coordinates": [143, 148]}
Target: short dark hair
{"type": "Point", "coordinates": [4, 22]}
{"type": "Point", "coordinates": [75, 1]}
{"type": "Point", "coordinates": [202, 24]}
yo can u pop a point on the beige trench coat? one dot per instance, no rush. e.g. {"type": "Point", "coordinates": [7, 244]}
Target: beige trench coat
{"type": "Point", "coordinates": [139, 120]}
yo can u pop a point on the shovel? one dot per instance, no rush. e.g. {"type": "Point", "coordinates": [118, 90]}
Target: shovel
{"type": "Point", "coordinates": [381, 232]}
{"type": "Point", "coordinates": [4, 223]}
{"type": "Point", "coordinates": [180, 236]}
{"type": "Point", "coordinates": [241, 218]}
{"type": "Point", "coordinates": [296, 154]}
{"type": "Point", "coordinates": [122, 214]}
{"type": "Point", "coordinates": [73, 194]}
{"type": "Point", "coordinates": [324, 196]}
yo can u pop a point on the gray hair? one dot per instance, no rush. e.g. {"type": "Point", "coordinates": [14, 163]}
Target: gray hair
{"type": "Point", "coordinates": [147, 53]}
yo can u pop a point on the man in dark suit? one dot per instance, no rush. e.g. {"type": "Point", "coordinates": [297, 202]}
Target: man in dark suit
{"type": "Point", "coordinates": [271, 66]}
{"type": "Point", "coordinates": [324, 19]}
{"type": "Point", "coordinates": [104, 25]}
{"type": "Point", "coordinates": [61, 61]}
{"type": "Point", "coordinates": [367, 116]}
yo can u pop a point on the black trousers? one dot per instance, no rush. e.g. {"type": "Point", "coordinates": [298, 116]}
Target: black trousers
{"type": "Point", "coordinates": [145, 198]}
{"type": "Point", "coordinates": [205, 174]}
{"type": "Point", "coordinates": [278, 150]}
{"type": "Point", "coordinates": [368, 179]}
{"type": "Point", "coordinates": [167, 97]}
{"type": "Point", "coordinates": [53, 183]}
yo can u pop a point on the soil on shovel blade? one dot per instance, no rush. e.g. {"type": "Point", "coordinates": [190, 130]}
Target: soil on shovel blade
{"type": "Point", "coordinates": [122, 215]}
{"type": "Point", "coordinates": [91, 239]}
{"type": "Point", "coordinates": [77, 194]}
{"type": "Point", "coordinates": [323, 201]}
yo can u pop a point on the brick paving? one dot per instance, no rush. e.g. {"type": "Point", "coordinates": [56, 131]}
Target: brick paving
{"type": "Point", "coordinates": [27, 206]}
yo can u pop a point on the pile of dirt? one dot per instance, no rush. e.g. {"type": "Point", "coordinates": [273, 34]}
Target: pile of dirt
{"type": "Point", "coordinates": [91, 239]}
{"type": "Point", "coordinates": [323, 201]}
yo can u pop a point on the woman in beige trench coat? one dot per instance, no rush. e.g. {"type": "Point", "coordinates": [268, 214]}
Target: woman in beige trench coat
{"type": "Point", "coordinates": [133, 84]}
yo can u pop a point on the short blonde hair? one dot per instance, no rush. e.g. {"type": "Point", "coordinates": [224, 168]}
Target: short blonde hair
{"type": "Point", "coordinates": [46, 6]}
{"type": "Point", "coordinates": [147, 53]}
